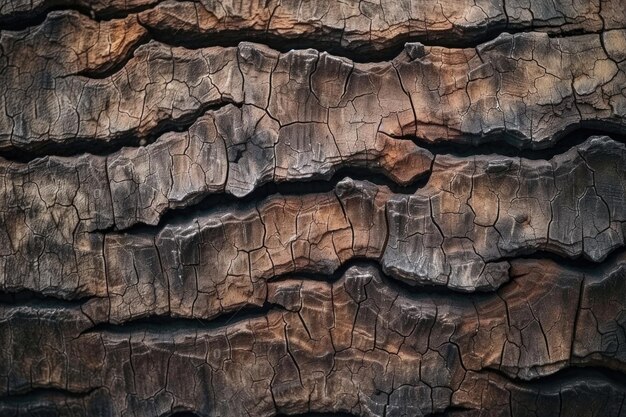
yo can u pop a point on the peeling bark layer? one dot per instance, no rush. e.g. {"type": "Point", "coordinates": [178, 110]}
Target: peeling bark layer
{"type": "Point", "coordinates": [421, 214]}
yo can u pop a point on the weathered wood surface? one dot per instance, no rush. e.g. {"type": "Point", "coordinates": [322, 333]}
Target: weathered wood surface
{"type": "Point", "coordinates": [422, 214]}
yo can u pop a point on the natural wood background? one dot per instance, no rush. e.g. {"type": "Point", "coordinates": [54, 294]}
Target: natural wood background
{"type": "Point", "coordinates": [263, 208]}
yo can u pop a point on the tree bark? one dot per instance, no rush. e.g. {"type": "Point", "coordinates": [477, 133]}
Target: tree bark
{"type": "Point", "coordinates": [306, 207]}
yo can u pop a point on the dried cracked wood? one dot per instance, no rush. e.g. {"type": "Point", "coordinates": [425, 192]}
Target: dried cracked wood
{"type": "Point", "coordinates": [196, 225]}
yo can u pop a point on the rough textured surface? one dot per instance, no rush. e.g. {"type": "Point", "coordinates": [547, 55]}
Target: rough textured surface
{"type": "Point", "coordinates": [422, 214]}
{"type": "Point", "coordinates": [528, 89]}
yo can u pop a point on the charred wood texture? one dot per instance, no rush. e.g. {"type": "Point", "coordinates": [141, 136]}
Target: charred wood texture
{"type": "Point", "coordinates": [301, 208]}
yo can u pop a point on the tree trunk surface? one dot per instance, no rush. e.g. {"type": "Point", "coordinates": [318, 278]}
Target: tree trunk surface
{"type": "Point", "coordinates": [313, 207]}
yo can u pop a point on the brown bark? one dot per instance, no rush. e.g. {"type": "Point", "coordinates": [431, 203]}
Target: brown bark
{"type": "Point", "coordinates": [422, 214]}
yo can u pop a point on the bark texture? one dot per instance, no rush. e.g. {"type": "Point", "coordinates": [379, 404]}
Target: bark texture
{"type": "Point", "coordinates": [422, 214]}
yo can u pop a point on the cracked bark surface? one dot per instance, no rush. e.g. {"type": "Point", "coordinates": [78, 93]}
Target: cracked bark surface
{"type": "Point", "coordinates": [421, 214]}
